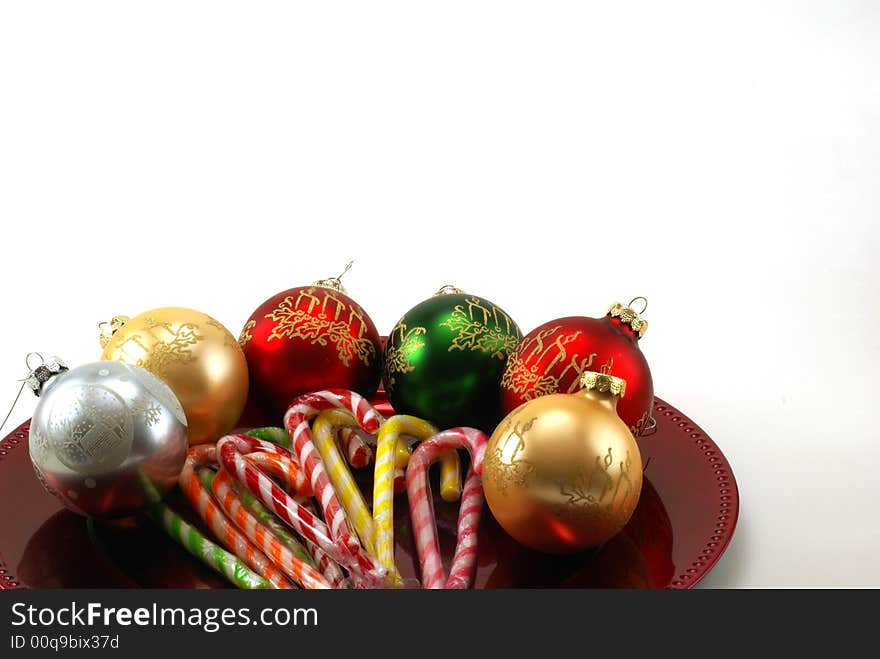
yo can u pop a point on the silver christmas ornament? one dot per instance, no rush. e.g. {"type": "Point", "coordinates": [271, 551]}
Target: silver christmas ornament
{"type": "Point", "coordinates": [106, 438]}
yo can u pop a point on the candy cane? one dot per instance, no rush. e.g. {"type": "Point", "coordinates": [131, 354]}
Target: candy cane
{"type": "Point", "coordinates": [271, 434]}
{"type": "Point", "coordinates": [361, 451]}
{"type": "Point", "coordinates": [329, 568]}
{"type": "Point", "coordinates": [340, 476]}
{"type": "Point", "coordinates": [267, 519]}
{"type": "Point", "coordinates": [199, 546]}
{"type": "Point", "coordinates": [383, 488]}
{"type": "Point", "coordinates": [399, 480]}
{"type": "Point", "coordinates": [422, 509]}
{"type": "Point", "coordinates": [280, 467]}
{"type": "Point", "coordinates": [230, 452]}
{"type": "Point", "coordinates": [358, 452]}
{"type": "Point", "coordinates": [303, 573]}
{"type": "Point", "coordinates": [232, 538]}
{"type": "Point", "coordinates": [296, 421]}
{"type": "Point", "coordinates": [450, 468]}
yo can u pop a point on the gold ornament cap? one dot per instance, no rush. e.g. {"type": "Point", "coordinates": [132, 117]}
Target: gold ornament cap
{"type": "Point", "coordinates": [603, 382]}
{"type": "Point", "coordinates": [629, 316]}
{"type": "Point", "coordinates": [335, 283]}
{"type": "Point", "coordinates": [448, 289]}
{"type": "Point", "coordinates": [110, 327]}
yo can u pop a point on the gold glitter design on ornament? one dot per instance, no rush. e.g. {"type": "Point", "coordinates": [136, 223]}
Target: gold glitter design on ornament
{"type": "Point", "coordinates": [639, 426]}
{"type": "Point", "coordinates": [109, 328]}
{"type": "Point", "coordinates": [170, 347]}
{"type": "Point", "coordinates": [528, 382]}
{"type": "Point", "coordinates": [333, 324]}
{"type": "Point", "coordinates": [245, 337]}
{"type": "Point", "coordinates": [473, 332]}
{"type": "Point", "coordinates": [590, 487]}
{"type": "Point", "coordinates": [397, 356]}
{"type": "Point", "coordinates": [506, 468]}
{"type": "Point", "coordinates": [228, 340]}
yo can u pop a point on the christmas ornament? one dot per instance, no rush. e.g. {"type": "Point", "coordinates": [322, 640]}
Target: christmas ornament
{"type": "Point", "coordinates": [196, 356]}
{"type": "Point", "coordinates": [307, 339]}
{"type": "Point", "coordinates": [563, 472]}
{"type": "Point", "coordinates": [551, 359]}
{"type": "Point", "coordinates": [106, 438]}
{"type": "Point", "coordinates": [444, 360]}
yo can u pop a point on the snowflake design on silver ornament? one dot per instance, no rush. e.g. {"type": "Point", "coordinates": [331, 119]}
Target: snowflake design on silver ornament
{"type": "Point", "coordinates": [149, 411]}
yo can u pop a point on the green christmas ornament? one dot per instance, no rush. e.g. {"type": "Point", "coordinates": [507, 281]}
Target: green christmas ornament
{"type": "Point", "coordinates": [445, 357]}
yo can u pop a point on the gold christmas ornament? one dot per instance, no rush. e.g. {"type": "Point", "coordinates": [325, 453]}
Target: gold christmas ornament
{"type": "Point", "coordinates": [194, 355]}
{"type": "Point", "coordinates": [562, 472]}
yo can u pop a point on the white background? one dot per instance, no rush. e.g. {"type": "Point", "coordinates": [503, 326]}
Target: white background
{"type": "Point", "coordinates": [722, 159]}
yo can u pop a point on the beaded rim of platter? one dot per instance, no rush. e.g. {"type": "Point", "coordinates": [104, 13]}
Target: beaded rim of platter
{"type": "Point", "coordinates": [728, 495]}
{"type": "Point", "coordinates": [17, 437]}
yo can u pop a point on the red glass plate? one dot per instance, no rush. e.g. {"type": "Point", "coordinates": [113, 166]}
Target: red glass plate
{"type": "Point", "coordinates": [684, 520]}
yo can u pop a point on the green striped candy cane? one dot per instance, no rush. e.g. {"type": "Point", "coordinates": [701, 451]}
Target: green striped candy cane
{"type": "Point", "coordinates": [271, 434]}
{"type": "Point", "coordinates": [199, 546]}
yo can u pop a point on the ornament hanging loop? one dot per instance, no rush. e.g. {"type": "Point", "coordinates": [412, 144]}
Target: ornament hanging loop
{"type": "Point", "coordinates": [24, 381]}
{"type": "Point", "coordinates": [335, 283]}
{"type": "Point", "coordinates": [448, 289]}
{"type": "Point", "coordinates": [27, 362]}
{"type": "Point", "coordinates": [607, 366]}
{"type": "Point", "coordinates": [636, 299]}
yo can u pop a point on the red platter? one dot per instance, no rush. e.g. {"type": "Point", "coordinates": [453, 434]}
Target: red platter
{"type": "Point", "coordinates": [683, 523]}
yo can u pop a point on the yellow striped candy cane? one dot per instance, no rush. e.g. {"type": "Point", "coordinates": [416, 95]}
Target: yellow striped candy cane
{"type": "Point", "coordinates": [387, 444]}
{"type": "Point", "coordinates": [450, 470]}
{"type": "Point", "coordinates": [383, 483]}
{"type": "Point", "coordinates": [347, 491]}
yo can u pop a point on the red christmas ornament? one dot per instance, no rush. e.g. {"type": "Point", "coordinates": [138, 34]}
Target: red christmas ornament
{"type": "Point", "coordinates": [306, 339]}
{"type": "Point", "coordinates": [551, 358]}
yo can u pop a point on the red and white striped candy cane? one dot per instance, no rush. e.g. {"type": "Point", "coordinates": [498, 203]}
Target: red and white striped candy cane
{"type": "Point", "coordinates": [421, 508]}
{"type": "Point", "coordinates": [296, 421]}
{"type": "Point", "coordinates": [399, 480]}
{"type": "Point", "coordinates": [358, 452]}
{"type": "Point", "coordinates": [231, 537]}
{"type": "Point", "coordinates": [304, 574]}
{"type": "Point", "coordinates": [328, 567]}
{"type": "Point", "coordinates": [285, 469]}
{"type": "Point", "coordinates": [231, 451]}
{"type": "Point", "coordinates": [285, 463]}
